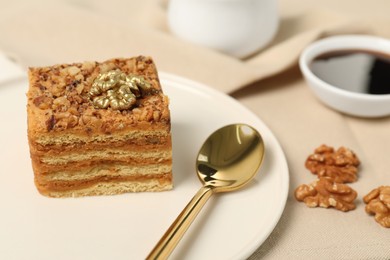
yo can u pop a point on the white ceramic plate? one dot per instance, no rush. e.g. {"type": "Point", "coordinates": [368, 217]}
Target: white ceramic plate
{"type": "Point", "coordinates": [231, 226]}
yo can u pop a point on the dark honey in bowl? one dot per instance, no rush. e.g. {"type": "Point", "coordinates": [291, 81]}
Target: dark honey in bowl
{"type": "Point", "coordinates": [359, 71]}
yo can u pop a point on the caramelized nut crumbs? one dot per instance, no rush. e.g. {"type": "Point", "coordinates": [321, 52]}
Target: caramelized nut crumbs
{"type": "Point", "coordinates": [61, 92]}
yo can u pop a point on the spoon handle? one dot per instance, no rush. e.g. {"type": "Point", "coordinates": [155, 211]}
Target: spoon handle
{"type": "Point", "coordinates": [175, 232]}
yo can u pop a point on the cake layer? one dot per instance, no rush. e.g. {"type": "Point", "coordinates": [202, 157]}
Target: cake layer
{"type": "Point", "coordinates": [110, 148]}
{"type": "Point", "coordinates": [148, 136]}
{"type": "Point", "coordinates": [109, 154]}
{"type": "Point", "coordinates": [104, 169]}
{"type": "Point", "coordinates": [42, 168]}
{"type": "Point", "coordinates": [146, 142]}
{"type": "Point", "coordinates": [162, 179]}
{"type": "Point", "coordinates": [110, 188]}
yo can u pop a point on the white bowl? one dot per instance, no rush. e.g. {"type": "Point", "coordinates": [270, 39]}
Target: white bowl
{"type": "Point", "coordinates": [352, 103]}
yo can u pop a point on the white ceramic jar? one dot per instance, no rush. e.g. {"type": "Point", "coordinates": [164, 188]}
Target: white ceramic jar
{"type": "Point", "coordinates": [235, 27]}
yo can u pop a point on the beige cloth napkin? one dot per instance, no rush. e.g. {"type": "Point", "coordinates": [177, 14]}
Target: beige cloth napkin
{"type": "Point", "coordinates": [95, 30]}
{"type": "Point", "coordinates": [269, 83]}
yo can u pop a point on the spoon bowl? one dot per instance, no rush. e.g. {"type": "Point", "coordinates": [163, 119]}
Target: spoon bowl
{"type": "Point", "coordinates": [228, 159]}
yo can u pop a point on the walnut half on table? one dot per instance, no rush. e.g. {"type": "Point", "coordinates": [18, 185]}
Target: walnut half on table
{"type": "Point", "coordinates": [378, 204]}
{"type": "Point", "coordinates": [326, 193]}
{"type": "Point", "coordinates": [340, 165]}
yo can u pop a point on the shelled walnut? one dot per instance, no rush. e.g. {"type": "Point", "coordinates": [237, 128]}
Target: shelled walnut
{"type": "Point", "coordinates": [326, 193]}
{"type": "Point", "coordinates": [378, 204]}
{"type": "Point", "coordinates": [340, 165]}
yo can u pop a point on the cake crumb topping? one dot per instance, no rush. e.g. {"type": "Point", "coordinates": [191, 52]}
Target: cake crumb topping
{"type": "Point", "coordinates": [69, 96]}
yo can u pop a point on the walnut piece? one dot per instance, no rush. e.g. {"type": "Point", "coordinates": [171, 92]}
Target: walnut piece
{"type": "Point", "coordinates": [378, 204]}
{"type": "Point", "coordinates": [326, 193]}
{"type": "Point", "coordinates": [340, 165]}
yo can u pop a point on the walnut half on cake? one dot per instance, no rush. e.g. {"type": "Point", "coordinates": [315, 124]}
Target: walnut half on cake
{"type": "Point", "coordinates": [99, 128]}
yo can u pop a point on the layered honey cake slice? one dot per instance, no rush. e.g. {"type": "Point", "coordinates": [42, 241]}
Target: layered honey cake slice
{"type": "Point", "coordinates": [99, 128]}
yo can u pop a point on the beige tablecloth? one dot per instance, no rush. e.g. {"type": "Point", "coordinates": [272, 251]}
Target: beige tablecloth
{"type": "Point", "coordinates": [269, 83]}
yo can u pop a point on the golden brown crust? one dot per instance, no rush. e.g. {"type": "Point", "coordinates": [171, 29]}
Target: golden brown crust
{"type": "Point", "coordinates": [58, 99]}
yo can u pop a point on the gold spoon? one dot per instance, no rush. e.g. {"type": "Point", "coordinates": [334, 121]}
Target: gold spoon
{"type": "Point", "coordinates": [228, 160]}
